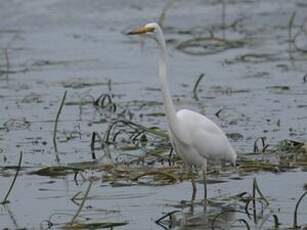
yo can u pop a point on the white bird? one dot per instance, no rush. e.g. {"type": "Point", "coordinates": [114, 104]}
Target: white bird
{"type": "Point", "coordinates": [193, 136]}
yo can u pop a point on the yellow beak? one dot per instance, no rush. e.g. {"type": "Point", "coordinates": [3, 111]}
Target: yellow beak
{"type": "Point", "coordinates": [140, 30]}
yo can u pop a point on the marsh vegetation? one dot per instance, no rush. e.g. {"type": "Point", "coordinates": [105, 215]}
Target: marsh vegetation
{"type": "Point", "coordinates": [83, 140]}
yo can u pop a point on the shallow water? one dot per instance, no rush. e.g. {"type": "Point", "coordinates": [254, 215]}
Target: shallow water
{"type": "Point", "coordinates": [81, 47]}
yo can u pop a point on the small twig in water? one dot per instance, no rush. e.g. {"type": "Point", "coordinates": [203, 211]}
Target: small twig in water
{"type": "Point", "coordinates": [245, 222]}
{"type": "Point", "coordinates": [217, 114]}
{"type": "Point", "coordinates": [169, 214]}
{"type": "Point", "coordinates": [96, 102]}
{"type": "Point", "coordinates": [264, 146]}
{"type": "Point", "coordinates": [93, 146]}
{"type": "Point", "coordinates": [276, 221]}
{"type": "Point", "coordinates": [101, 140]}
{"type": "Point", "coordinates": [195, 96]}
{"type": "Point", "coordinates": [105, 101]}
{"type": "Point", "coordinates": [5, 200]}
{"type": "Point", "coordinates": [262, 198]}
{"type": "Point", "coordinates": [295, 226]}
{"type": "Point", "coordinates": [75, 197]}
{"type": "Point", "coordinates": [82, 203]}
{"type": "Point", "coordinates": [254, 200]}
{"type": "Point", "coordinates": [170, 156]}
{"type": "Point", "coordinates": [56, 126]}
{"type": "Point", "coordinates": [109, 85]}
{"type": "Point", "coordinates": [255, 184]}
{"type": "Point", "coordinates": [108, 98]}
{"type": "Point", "coordinates": [134, 126]}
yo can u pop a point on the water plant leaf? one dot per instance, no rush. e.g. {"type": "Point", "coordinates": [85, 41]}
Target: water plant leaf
{"type": "Point", "coordinates": [96, 225]}
{"type": "Point", "coordinates": [171, 178]}
{"type": "Point", "coordinates": [54, 171]}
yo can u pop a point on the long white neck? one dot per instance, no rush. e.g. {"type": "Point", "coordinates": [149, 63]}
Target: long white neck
{"type": "Point", "coordinates": [163, 64]}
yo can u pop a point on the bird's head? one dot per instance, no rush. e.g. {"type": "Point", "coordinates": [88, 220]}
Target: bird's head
{"type": "Point", "coordinates": [147, 30]}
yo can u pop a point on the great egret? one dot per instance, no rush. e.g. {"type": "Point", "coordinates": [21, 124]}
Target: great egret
{"type": "Point", "coordinates": [194, 137]}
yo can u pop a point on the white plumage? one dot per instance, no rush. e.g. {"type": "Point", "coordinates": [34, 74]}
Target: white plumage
{"type": "Point", "coordinates": [200, 138]}
{"type": "Point", "coordinates": [194, 137]}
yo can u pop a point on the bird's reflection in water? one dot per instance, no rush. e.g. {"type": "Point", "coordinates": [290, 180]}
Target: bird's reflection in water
{"type": "Point", "coordinates": [215, 216]}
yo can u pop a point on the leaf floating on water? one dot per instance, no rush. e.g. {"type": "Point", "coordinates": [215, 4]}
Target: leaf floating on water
{"type": "Point", "coordinates": [279, 89]}
{"type": "Point", "coordinates": [90, 165]}
{"type": "Point", "coordinates": [97, 225]}
{"type": "Point", "coordinates": [55, 171]}
{"type": "Point", "coordinates": [258, 57]}
{"type": "Point", "coordinates": [155, 114]}
{"type": "Point", "coordinates": [162, 175]}
{"type": "Point", "coordinates": [71, 168]}
{"type": "Point", "coordinates": [256, 165]}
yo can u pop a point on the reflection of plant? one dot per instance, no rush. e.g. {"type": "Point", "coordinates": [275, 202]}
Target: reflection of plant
{"type": "Point", "coordinates": [228, 216]}
{"type": "Point", "coordinates": [224, 216]}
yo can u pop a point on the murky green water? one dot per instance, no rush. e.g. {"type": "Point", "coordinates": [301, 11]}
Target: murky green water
{"type": "Point", "coordinates": [53, 46]}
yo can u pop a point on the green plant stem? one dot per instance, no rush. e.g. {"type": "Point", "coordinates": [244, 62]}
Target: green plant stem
{"type": "Point", "coordinates": [5, 200]}
{"type": "Point", "coordinates": [254, 200]}
{"type": "Point", "coordinates": [295, 225]}
{"type": "Point", "coordinates": [56, 126]}
{"type": "Point", "coordinates": [195, 96]}
{"type": "Point", "coordinates": [82, 203]}
{"type": "Point", "coordinates": [260, 193]}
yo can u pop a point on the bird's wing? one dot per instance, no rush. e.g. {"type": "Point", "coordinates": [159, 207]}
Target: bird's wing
{"type": "Point", "coordinates": [203, 135]}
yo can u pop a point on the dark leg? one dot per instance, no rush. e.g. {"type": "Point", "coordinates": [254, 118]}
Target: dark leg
{"type": "Point", "coordinates": [205, 182]}
{"type": "Point", "coordinates": [193, 185]}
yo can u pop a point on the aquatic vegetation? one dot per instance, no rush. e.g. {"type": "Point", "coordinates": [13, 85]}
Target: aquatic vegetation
{"type": "Point", "coordinates": [96, 225]}
{"type": "Point", "coordinates": [5, 199]}
{"type": "Point", "coordinates": [73, 220]}
{"type": "Point", "coordinates": [293, 37]}
{"type": "Point", "coordinates": [252, 210]}
{"type": "Point", "coordinates": [111, 129]}
{"type": "Point", "coordinates": [195, 88]}
{"type": "Point", "coordinates": [208, 45]}
{"type": "Point", "coordinates": [56, 126]}
{"type": "Point", "coordinates": [141, 156]}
